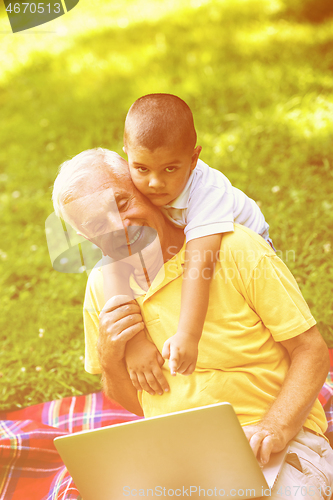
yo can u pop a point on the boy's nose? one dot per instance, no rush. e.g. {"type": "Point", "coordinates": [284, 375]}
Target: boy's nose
{"type": "Point", "coordinates": [156, 182]}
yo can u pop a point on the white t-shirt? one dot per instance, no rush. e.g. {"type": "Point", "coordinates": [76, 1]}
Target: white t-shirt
{"type": "Point", "coordinates": [209, 204]}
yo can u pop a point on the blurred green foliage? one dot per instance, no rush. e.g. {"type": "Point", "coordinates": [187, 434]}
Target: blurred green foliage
{"type": "Point", "coordinates": [261, 90]}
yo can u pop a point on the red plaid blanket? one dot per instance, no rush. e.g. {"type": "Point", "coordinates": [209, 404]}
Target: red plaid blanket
{"type": "Point", "coordinates": [30, 467]}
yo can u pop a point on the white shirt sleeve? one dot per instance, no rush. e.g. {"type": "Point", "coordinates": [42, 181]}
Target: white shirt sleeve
{"type": "Point", "coordinates": [248, 213]}
{"type": "Point", "coordinates": [210, 204]}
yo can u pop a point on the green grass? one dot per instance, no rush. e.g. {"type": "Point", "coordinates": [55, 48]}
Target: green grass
{"type": "Point", "coordinates": [259, 81]}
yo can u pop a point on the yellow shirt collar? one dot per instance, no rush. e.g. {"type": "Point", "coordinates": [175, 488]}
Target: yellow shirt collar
{"type": "Point", "coordinates": [171, 270]}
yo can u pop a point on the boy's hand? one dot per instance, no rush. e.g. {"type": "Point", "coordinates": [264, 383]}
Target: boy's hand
{"type": "Point", "coordinates": [182, 352]}
{"type": "Point", "coordinates": [144, 363]}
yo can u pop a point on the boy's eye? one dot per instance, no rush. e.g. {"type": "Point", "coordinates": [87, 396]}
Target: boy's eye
{"type": "Point", "coordinates": [170, 169]}
{"type": "Point", "coordinates": [142, 170]}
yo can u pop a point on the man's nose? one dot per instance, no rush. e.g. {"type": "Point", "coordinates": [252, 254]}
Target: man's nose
{"type": "Point", "coordinates": [156, 182]}
{"type": "Point", "coordinates": [108, 222]}
{"type": "Point", "coordinates": [111, 224]}
{"type": "Point", "coordinates": [114, 221]}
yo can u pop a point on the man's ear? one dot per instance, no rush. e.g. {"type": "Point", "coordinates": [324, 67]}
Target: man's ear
{"type": "Point", "coordinates": [83, 236]}
{"type": "Point", "coordinates": [195, 157]}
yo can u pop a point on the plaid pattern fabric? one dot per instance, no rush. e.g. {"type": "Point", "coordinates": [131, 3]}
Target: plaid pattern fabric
{"type": "Point", "coordinates": [326, 399]}
{"type": "Point", "coordinates": [329, 379]}
{"type": "Point", "coordinates": [30, 467]}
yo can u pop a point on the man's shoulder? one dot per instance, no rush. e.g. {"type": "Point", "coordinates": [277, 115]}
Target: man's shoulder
{"type": "Point", "coordinates": [94, 288]}
{"type": "Point", "coordinates": [244, 245]}
{"type": "Point", "coordinates": [96, 272]}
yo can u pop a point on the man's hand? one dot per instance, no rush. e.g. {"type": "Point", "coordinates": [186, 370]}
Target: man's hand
{"type": "Point", "coordinates": [144, 364]}
{"type": "Point", "coordinates": [182, 352]}
{"type": "Point", "coordinates": [265, 439]}
{"type": "Point", "coordinates": [119, 321]}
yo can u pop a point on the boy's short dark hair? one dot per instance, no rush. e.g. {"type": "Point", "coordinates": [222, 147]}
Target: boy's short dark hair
{"type": "Point", "coordinates": [157, 120]}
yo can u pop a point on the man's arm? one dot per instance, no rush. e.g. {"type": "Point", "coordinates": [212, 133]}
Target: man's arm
{"type": "Point", "coordinates": [307, 372]}
{"type": "Point", "coordinates": [118, 386]}
{"type": "Point", "coordinates": [117, 325]}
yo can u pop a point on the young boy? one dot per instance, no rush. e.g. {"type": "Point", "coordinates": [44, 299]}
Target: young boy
{"type": "Point", "coordinates": [160, 143]}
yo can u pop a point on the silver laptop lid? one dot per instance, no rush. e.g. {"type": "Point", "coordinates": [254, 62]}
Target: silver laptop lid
{"type": "Point", "coordinates": [192, 453]}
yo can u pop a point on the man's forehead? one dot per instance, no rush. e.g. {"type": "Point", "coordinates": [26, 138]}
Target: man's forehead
{"type": "Point", "coordinates": [88, 198]}
{"type": "Point", "coordinates": [92, 207]}
{"type": "Point", "coordinates": [104, 181]}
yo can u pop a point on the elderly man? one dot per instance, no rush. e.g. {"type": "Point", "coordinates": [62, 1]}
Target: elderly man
{"type": "Point", "coordinates": [260, 349]}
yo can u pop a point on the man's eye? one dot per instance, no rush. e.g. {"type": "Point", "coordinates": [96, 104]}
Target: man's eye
{"type": "Point", "coordinates": [122, 204]}
{"type": "Point", "coordinates": [170, 169]}
{"type": "Point", "coordinates": [99, 229]}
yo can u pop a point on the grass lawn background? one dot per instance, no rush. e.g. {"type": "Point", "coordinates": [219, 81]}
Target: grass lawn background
{"type": "Point", "coordinates": [259, 80]}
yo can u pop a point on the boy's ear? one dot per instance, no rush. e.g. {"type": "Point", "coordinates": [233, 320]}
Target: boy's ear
{"type": "Point", "coordinates": [124, 149]}
{"type": "Point", "coordinates": [195, 157]}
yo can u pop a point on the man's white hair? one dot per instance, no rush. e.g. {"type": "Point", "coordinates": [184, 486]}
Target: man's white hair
{"type": "Point", "coordinates": [77, 169]}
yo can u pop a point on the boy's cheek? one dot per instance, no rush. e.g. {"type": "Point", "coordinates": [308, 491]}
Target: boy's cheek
{"type": "Point", "coordinates": [140, 184]}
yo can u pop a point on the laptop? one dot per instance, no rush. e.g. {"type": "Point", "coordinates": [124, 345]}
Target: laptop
{"type": "Point", "coordinates": [189, 454]}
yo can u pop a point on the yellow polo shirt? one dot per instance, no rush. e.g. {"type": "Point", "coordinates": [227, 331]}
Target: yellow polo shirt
{"type": "Point", "coordinates": [254, 303]}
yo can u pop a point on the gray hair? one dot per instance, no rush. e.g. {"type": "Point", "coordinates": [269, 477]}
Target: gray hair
{"type": "Point", "coordinates": [77, 169]}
